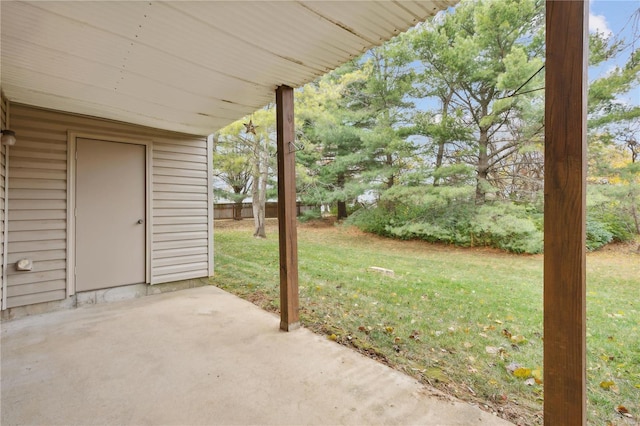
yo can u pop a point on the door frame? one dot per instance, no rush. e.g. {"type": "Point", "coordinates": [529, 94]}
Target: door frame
{"type": "Point", "coordinates": [72, 137]}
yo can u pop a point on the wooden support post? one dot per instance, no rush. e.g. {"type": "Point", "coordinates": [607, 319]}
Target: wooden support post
{"type": "Point", "coordinates": [565, 213]}
{"type": "Point", "coordinates": [289, 319]}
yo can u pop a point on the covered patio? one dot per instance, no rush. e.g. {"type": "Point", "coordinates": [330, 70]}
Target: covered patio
{"type": "Point", "coordinates": [193, 67]}
{"type": "Point", "coordinates": [201, 356]}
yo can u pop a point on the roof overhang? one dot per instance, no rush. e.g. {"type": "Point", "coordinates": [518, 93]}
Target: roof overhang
{"type": "Point", "coordinates": [180, 65]}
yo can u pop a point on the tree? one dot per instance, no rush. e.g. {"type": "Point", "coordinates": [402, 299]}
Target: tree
{"type": "Point", "coordinates": [485, 60]}
{"type": "Point", "coordinates": [332, 157]}
{"type": "Point", "coordinates": [382, 100]}
{"type": "Point", "coordinates": [443, 129]}
{"type": "Point", "coordinates": [249, 145]}
{"type": "Point", "coordinates": [614, 134]}
{"type": "Point", "coordinates": [233, 168]}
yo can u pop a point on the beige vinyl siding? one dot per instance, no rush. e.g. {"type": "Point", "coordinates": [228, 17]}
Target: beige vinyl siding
{"type": "Point", "coordinates": [38, 201]}
{"type": "Point", "coordinates": [181, 203]}
{"type": "Point", "coordinates": [37, 209]}
{"type": "Point", "coordinates": [4, 107]}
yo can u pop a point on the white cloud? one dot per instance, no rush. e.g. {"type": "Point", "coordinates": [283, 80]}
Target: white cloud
{"type": "Point", "coordinates": [598, 23]}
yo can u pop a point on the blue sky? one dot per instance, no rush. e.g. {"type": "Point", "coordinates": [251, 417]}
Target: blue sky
{"type": "Point", "coordinates": [611, 16]}
{"type": "Point", "coordinates": [614, 17]}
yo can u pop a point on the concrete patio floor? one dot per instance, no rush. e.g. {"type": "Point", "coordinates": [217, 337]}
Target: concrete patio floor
{"type": "Point", "coordinates": [196, 357]}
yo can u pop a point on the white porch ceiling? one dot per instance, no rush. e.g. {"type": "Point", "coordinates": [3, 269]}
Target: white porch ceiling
{"type": "Point", "coordinates": [180, 65]}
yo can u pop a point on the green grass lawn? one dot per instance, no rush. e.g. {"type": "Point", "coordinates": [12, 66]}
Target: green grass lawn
{"type": "Point", "coordinates": [467, 321]}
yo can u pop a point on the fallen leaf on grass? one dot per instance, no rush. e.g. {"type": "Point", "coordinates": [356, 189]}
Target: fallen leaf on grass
{"type": "Point", "coordinates": [364, 329]}
{"type": "Point", "coordinates": [495, 350]}
{"type": "Point", "coordinates": [609, 385]}
{"type": "Point", "coordinates": [332, 337]}
{"type": "Point", "coordinates": [467, 345]}
{"type": "Point", "coordinates": [537, 375]}
{"type": "Point", "coordinates": [518, 339]}
{"type": "Point", "coordinates": [506, 333]}
{"type": "Point", "coordinates": [492, 350]}
{"type": "Point", "coordinates": [622, 410]}
{"type": "Point", "coordinates": [522, 372]}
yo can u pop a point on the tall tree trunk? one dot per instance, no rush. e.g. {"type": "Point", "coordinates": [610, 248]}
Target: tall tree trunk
{"type": "Point", "coordinates": [439, 157]}
{"type": "Point", "coordinates": [342, 210]}
{"type": "Point", "coordinates": [391, 180]}
{"type": "Point", "coordinates": [259, 187]}
{"type": "Point", "coordinates": [342, 204]}
{"type": "Point", "coordinates": [388, 160]}
{"type": "Point", "coordinates": [237, 210]}
{"type": "Point", "coordinates": [442, 141]}
{"type": "Point", "coordinates": [483, 166]}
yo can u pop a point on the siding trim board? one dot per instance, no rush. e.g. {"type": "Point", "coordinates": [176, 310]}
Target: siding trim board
{"type": "Point", "coordinates": [178, 199]}
{"type": "Point", "coordinates": [4, 186]}
{"type": "Point", "coordinates": [71, 222]}
{"type": "Point", "coordinates": [210, 203]}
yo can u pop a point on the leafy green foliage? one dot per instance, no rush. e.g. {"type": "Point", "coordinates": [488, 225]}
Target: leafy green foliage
{"type": "Point", "coordinates": [507, 226]}
{"type": "Point", "coordinates": [333, 157]}
{"type": "Point", "coordinates": [597, 235]}
{"type": "Point", "coordinates": [371, 219]}
{"type": "Point", "coordinates": [243, 155]}
{"type": "Point", "coordinates": [450, 215]}
{"type": "Point", "coordinates": [610, 208]}
{"type": "Point", "coordinates": [484, 61]}
{"type": "Point", "coordinates": [308, 215]}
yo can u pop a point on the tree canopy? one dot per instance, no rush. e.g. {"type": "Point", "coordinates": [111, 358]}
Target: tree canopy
{"type": "Point", "coordinates": [438, 134]}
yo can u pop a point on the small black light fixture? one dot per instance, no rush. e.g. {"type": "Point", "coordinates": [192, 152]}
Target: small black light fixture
{"type": "Point", "coordinates": [8, 137]}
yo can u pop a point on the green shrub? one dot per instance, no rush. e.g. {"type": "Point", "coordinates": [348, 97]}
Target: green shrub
{"type": "Point", "coordinates": [597, 235]}
{"type": "Point", "coordinates": [422, 230]}
{"type": "Point", "coordinates": [449, 215]}
{"type": "Point", "coordinates": [307, 215]}
{"type": "Point", "coordinates": [370, 219]}
{"type": "Point", "coordinates": [506, 226]}
{"type": "Point", "coordinates": [612, 207]}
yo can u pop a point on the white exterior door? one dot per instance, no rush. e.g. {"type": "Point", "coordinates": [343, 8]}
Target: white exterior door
{"type": "Point", "coordinates": [110, 214]}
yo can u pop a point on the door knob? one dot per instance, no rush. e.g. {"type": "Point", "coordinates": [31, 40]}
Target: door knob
{"type": "Point", "coordinates": [140, 221]}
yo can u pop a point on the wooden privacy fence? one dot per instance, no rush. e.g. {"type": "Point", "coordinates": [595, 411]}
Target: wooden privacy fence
{"type": "Point", "coordinates": [245, 210]}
